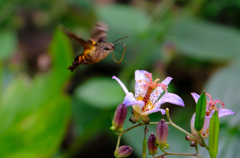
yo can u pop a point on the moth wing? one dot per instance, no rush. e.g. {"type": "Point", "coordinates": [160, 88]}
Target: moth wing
{"type": "Point", "coordinates": [83, 43]}
{"type": "Point", "coordinates": [99, 32]}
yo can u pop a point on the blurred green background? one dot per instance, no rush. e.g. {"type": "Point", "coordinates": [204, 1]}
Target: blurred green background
{"type": "Point", "coordinates": [47, 111]}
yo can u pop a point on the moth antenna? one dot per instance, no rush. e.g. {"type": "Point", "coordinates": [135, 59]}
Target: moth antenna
{"type": "Point", "coordinates": [122, 54]}
{"type": "Point", "coordinates": [120, 39]}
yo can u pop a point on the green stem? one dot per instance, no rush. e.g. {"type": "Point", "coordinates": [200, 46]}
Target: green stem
{"type": "Point", "coordinates": [177, 127]}
{"type": "Point", "coordinates": [196, 148]}
{"type": "Point", "coordinates": [182, 130]}
{"type": "Point", "coordinates": [140, 124]}
{"type": "Point", "coordinates": [118, 141]}
{"type": "Point", "coordinates": [202, 141]}
{"type": "Point", "coordinates": [183, 154]}
{"type": "Point", "coordinates": [144, 147]}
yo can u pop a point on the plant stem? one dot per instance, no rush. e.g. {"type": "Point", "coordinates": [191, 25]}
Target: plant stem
{"type": "Point", "coordinates": [196, 148]}
{"type": "Point", "coordinates": [182, 130]}
{"type": "Point", "coordinates": [203, 142]}
{"type": "Point", "coordinates": [118, 141]}
{"type": "Point", "coordinates": [140, 124]}
{"type": "Point", "coordinates": [177, 127]}
{"type": "Point", "coordinates": [183, 154]}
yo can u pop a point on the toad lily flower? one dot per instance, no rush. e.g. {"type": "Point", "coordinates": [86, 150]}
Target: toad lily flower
{"type": "Point", "coordinates": [147, 93]}
{"type": "Point", "coordinates": [210, 109]}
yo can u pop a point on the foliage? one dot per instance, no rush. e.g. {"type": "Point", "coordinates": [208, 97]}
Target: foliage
{"type": "Point", "coordinates": [39, 108]}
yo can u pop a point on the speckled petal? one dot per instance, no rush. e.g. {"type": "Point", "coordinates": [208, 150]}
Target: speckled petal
{"type": "Point", "coordinates": [155, 110]}
{"type": "Point", "coordinates": [224, 112]}
{"type": "Point", "coordinates": [221, 112]}
{"type": "Point", "coordinates": [140, 79]}
{"type": "Point", "coordinates": [121, 84]}
{"type": "Point", "coordinates": [195, 96]}
{"type": "Point", "coordinates": [158, 91]}
{"type": "Point", "coordinates": [129, 100]}
{"type": "Point", "coordinates": [204, 131]}
{"type": "Point", "coordinates": [169, 98]}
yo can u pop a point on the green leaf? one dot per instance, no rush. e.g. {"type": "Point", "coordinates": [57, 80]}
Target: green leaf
{"type": "Point", "coordinates": [200, 112]}
{"type": "Point", "coordinates": [214, 135]}
{"type": "Point", "coordinates": [8, 43]}
{"type": "Point", "coordinates": [204, 40]}
{"type": "Point", "coordinates": [62, 55]}
{"type": "Point", "coordinates": [120, 20]}
{"type": "Point", "coordinates": [34, 114]}
{"type": "Point", "coordinates": [100, 92]}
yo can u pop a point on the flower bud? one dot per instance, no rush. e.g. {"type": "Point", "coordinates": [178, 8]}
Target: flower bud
{"type": "Point", "coordinates": [123, 151]}
{"type": "Point", "coordinates": [152, 148]}
{"type": "Point", "coordinates": [145, 119]}
{"type": "Point", "coordinates": [136, 116]}
{"type": "Point", "coordinates": [162, 134]}
{"type": "Point", "coordinates": [119, 118]}
{"type": "Point", "coordinates": [193, 143]}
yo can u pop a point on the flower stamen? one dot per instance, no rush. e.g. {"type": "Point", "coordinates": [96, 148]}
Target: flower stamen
{"type": "Point", "coordinates": [211, 104]}
{"type": "Point", "coordinates": [151, 85]}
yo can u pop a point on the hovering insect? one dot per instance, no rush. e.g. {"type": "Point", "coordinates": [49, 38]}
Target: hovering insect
{"type": "Point", "coordinates": [96, 48]}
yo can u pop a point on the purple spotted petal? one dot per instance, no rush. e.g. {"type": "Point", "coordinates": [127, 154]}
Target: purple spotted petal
{"type": "Point", "coordinates": [221, 112]}
{"type": "Point", "coordinates": [205, 129]}
{"type": "Point", "coordinates": [155, 110]}
{"type": "Point", "coordinates": [129, 100]}
{"type": "Point", "coordinates": [195, 96]}
{"type": "Point", "coordinates": [140, 79]}
{"type": "Point", "coordinates": [169, 98]}
{"type": "Point", "coordinates": [225, 112]}
{"type": "Point", "coordinates": [121, 84]}
{"type": "Point", "coordinates": [158, 91]}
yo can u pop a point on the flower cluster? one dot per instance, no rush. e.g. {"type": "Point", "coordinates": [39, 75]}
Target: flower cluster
{"type": "Point", "coordinates": [210, 109]}
{"type": "Point", "coordinates": [148, 97]}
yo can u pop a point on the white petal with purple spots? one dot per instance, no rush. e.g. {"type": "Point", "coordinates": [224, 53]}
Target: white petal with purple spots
{"type": "Point", "coordinates": [169, 98]}
{"type": "Point", "coordinates": [140, 79]}
{"type": "Point", "coordinates": [155, 110]}
{"type": "Point", "coordinates": [158, 91]}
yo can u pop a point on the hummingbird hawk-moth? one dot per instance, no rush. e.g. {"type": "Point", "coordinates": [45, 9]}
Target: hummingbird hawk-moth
{"type": "Point", "coordinates": [96, 48]}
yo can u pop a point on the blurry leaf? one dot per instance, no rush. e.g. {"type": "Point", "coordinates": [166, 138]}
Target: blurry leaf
{"type": "Point", "coordinates": [100, 93]}
{"type": "Point", "coordinates": [213, 135]}
{"type": "Point", "coordinates": [34, 114]}
{"type": "Point", "coordinates": [7, 10]}
{"type": "Point", "coordinates": [147, 51]}
{"type": "Point", "coordinates": [203, 40]}
{"type": "Point", "coordinates": [122, 20]}
{"type": "Point", "coordinates": [33, 120]}
{"type": "Point", "coordinates": [8, 43]}
{"type": "Point", "coordinates": [62, 55]}
{"type": "Point", "coordinates": [224, 85]}
{"type": "Point", "coordinates": [200, 112]}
